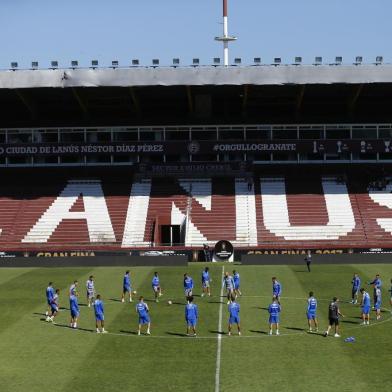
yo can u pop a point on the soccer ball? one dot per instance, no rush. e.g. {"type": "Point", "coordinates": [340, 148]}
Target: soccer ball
{"type": "Point", "coordinates": [169, 302]}
{"type": "Point", "coordinates": [134, 291]}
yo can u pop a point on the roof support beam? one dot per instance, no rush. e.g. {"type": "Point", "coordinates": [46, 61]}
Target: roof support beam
{"type": "Point", "coordinates": [245, 99]}
{"type": "Point", "coordinates": [82, 104]}
{"type": "Point", "coordinates": [135, 101]}
{"type": "Point", "coordinates": [26, 102]}
{"type": "Point", "coordinates": [300, 98]}
{"type": "Point", "coordinates": [190, 99]}
{"type": "Point", "coordinates": [354, 98]}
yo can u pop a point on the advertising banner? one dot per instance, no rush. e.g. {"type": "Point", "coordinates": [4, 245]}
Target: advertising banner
{"type": "Point", "coordinates": [198, 147]}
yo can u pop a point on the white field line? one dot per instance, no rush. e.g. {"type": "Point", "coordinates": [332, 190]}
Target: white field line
{"type": "Point", "coordinates": [219, 337]}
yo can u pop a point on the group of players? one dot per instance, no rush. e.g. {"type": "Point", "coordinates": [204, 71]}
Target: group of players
{"type": "Point", "coordinates": [231, 283]}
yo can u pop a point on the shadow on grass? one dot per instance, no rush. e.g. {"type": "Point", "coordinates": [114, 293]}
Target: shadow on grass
{"type": "Point", "coordinates": [39, 314]}
{"type": "Point", "coordinates": [260, 332]}
{"type": "Point", "coordinates": [151, 300]}
{"type": "Point", "coordinates": [295, 328]}
{"type": "Point", "coordinates": [179, 303]}
{"type": "Point", "coordinates": [259, 307]}
{"type": "Point", "coordinates": [176, 334]}
{"type": "Point", "coordinates": [218, 332]}
{"type": "Point", "coordinates": [216, 302]}
{"type": "Point", "coordinates": [78, 329]}
{"type": "Point", "coordinates": [319, 334]}
{"type": "Point", "coordinates": [115, 300]}
{"type": "Point", "coordinates": [128, 332]}
{"type": "Point", "coordinates": [349, 322]}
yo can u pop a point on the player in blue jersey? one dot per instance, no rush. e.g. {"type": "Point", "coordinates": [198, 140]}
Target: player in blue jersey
{"type": "Point", "coordinates": [191, 316]}
{"type": "Point", "coordinates": [365, 304]}
{"type": "Point", "coordinates": [73, 290]}
{"type": "Point", "coordinates": [127, 289]}
{"type": "Point", "coordinates": [49, 295]}
{"type": "Point", "coordinates": [377, 304]}
{"type": "Point", "coordinates": [156, 286]}
{"type": "Point", "coordinates": [144, 317]}
{"type": "Point", "coordinates": [54, 307]}
{"type": "Point", "coordinates": [356, 285]}
{"type": "Point", "coordinates": [228, 284]}
{"type": "Point", "coordinates": [188, 286]}
{"type": "Point", "coordinates": [234, 315]}
{"type": "Point", "coordinates": [237, 283]}
{"type": "Point", "coordinates": [276, 289]}
{"type": "Point", "coordinates": [311, 312]}
{"type": "Point", "coordinates": [206, 282]}
{"type": "Point", "coordinates": [99, 315]}
{"type": "Point", "coordinates": [376, 283]}
{"type": "Point", "coordinates": [74, 307]}
{"type": "Point", "coordinates": [274, 315]}
{"type": "Point", "coordinates": [90, 290]}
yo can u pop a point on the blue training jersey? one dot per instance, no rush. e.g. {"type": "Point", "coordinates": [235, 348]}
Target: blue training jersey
{"type": "Point", "coordinates": [366, 299]}
{"type": "Point", "coordinates": [205, 276]}
{"type": "Point", "coordinates": [276, 288]}
{"type": "Point", "coordinates": [377, 282]}
{"type": "Point", "coordinates": [236, 278]}
{"type": "Point", "coordinates": [191, 311]}
{"type": "Point", "coordinates": [356, 283]}
{"type": "Point", "coordinates": [228, 282]}
{"type": "Point", "coordinates": [73, 303]}
{"type": "Point", "coordinates": [155, 281]}
{"type": "Point", "coordinates": [274, 309]}
{"type": "Point", "coordinates": [72, 290]}
{"type": "Point", "coordinates": [127, 281]}
{"type": "Point", "coordinates": [234, 309]}
{"type": "Point", "coordinates": [55, 300]}
{"type": "Point", "coordinates": [98, 307]}
{"type": "Point", "coordinates": [312, 305]}
{"type": "Point", "coordinates": [142, 309]}
{"type": "Point", "coordinates": [188, 283]}
{"type": "Point", "coordinates": [49, 293]}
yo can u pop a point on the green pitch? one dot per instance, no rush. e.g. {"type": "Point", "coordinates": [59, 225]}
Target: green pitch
{"type": "Point", "coordinates": [38, 356]}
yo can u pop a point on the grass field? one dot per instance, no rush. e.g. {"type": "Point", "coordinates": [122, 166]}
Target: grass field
{"type": "Point", "coordinates": [38, 356]}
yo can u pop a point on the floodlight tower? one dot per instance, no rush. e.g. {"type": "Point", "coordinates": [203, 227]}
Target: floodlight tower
{"type": "Point", "coordinates": [226, 38]}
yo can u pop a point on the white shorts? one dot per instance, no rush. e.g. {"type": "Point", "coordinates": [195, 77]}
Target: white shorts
{"type": "Point", "coordinates": [156, 289]}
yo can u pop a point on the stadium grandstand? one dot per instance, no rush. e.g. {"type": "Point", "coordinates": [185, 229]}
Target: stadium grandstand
{"type": "Point", "coordinates": [268, 157]}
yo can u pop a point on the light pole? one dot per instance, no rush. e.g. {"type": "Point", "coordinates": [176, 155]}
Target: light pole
{"type": "Point", "coordinates": [226, 38]}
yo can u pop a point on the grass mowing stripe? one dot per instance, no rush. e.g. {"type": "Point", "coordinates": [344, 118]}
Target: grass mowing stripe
{"type": "Point", "coordinates": [87, 361]}
{"type": "Point", "coordinates": [6, 274]}
{"type": "Point", "coordinates": [219, 337]}
{"type": "Point", "coordinates": [28, 340]}
{"type": "Point", "coordinates": [146, 362]}
{"type": "Point", "coordinates": [28, 292]}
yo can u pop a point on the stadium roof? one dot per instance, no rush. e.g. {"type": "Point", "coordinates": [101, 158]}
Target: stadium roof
{"type": "Point", "coordinates": [196, 95]}
{"type": "Point", "coordinates": [196, 76]}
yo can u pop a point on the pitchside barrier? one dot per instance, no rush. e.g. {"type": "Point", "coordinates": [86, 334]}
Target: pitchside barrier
{"type": "Point", "coordinates": [346, 258]}
{"type": "Point", "coordinates": [104, 261]}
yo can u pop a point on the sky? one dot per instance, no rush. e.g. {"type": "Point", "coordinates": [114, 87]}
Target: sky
{"type": "Point", "coordinates": [106, 30]}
